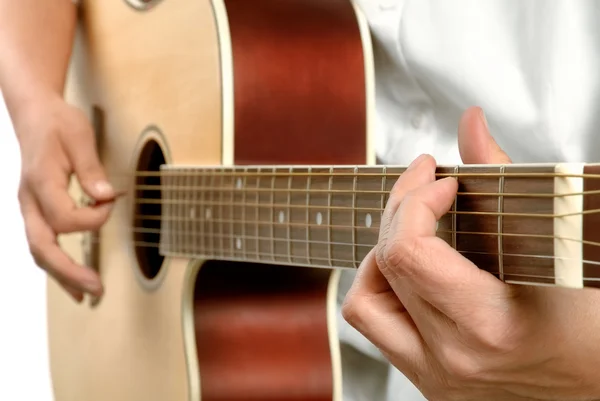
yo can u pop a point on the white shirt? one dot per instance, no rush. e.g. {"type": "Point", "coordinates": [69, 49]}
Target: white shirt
{"type": "Point", "coordinates": [533, 66]}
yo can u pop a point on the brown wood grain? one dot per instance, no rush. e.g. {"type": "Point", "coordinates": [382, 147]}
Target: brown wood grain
{"type": "Point", "coordinates": [591, 228]}
{"type": "Point", "coordinates": [299, 82]}
{"type": "Point", "coordinates": [299, 90]}
{"type": "Point", "coordinates": [261, 332]}
{"type": "Point", "coordinates": [505, 226]}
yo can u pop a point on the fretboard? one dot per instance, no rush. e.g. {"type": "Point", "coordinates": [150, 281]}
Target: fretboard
{"type": "Point", "coordinates": [512, 221]}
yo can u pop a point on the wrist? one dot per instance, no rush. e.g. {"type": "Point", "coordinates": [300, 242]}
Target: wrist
{"type": "Point", "coordinates": [22, 97]}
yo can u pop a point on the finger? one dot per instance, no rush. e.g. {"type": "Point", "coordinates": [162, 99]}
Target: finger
{"type": "Point", "coordinates": [61, 212]}
{"type": "Point", "coordinates": [436, 272]}
{"type": "Point", "coordinates": [412, 177]}
{"type": "Point", "coordinates": [75, 293]}
{"type": "Point", "coordinates": [80, 147]}
{"type": "Point", "coordinates": [49, 256]}
{"type": "Point", "coordinates": [372, 308]}
{"type": "Point", "coordinates": [475, 143]}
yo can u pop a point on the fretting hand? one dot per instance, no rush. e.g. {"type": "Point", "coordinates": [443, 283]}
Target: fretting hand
{"type": "Point", "coordinates": [457, 332]}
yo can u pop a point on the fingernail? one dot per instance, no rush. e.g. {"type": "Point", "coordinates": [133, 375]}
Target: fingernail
{"type": "Point", "coordinates": [416, 162]}
{"type": "Point", "coordinates": [104, 188]}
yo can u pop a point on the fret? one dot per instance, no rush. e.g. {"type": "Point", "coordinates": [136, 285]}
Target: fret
{"type": "Point", "coordinates": [369, 198]}
{"type": "Point", "coordinates": [280, 217]}
{"type": "Point", "coordinates": [219, 213]}
{"type": "Point", "coordinates": [329, 234]}
{"type": "Point", "coordinates": [194, 191]}
{"type": "Point", "coordinates": [297, 215]}
{"type": "Point", "coordinates": [166, 213]}
{"type": "Point", "coordinates": [190, 210]}
{"type": "Point", "coordinates": [179, 243]}
{"type": "Point", "coordinates": [519, 269]}
{"type": "Point", "coordinates": [237, 217]}
{"type": "Point", "coordinates": [500, 225]}
{"type": "Point", "coordinates": [235, 187]}
{"type": "Point", "coordinates": [289, 215]}
{"type": "Point", "coordinates": [257, 212]}
{"type": "Point", "coordinates": [307, 216]}
{"type": "Point", "coordinates": [266, 247]}
{"type": "Point", "coordinates": [341, 212]}
{"type": "Point", "coordinates": [209, 215]}
{"type": "Point", "coordinates": [454, 209]}
{"type": "Point", "coordinates": [204, 241]}
{"type": "Point", "coordinates": [354, 245]}
{"type": "Point", "coordinates": [318, 212]}
{"type": "Point", "coordinates": [250, 206]}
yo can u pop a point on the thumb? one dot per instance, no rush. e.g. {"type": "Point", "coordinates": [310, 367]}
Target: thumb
{"type": "Point", "coordinates": [81, 149]}
{"type": "Point", "coordinates": [475, 143]}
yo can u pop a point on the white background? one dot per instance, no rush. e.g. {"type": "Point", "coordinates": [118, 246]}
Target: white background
{"type": "Point", "coordinates": [24, 373]}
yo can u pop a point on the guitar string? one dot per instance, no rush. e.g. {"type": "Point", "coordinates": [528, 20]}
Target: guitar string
{"type": "Point", "coordinates": [285, 172]}
{"type": "Point", "coordinates": [183, 202]}
{"type": "Point", "coordinates": [187, 188]}
{"type": "Point", "coordinates": [310, 226]}
{"type": "Point", "coordinates": [230, 252]}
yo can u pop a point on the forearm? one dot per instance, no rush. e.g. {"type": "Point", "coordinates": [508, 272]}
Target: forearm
{"type": "Point", "coordinates": [36, 39]}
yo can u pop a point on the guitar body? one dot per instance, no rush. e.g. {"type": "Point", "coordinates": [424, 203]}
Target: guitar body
{"type": "Point", "coordinates": [195, 82]}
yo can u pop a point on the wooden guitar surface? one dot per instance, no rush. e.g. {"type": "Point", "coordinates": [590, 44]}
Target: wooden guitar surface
{"type": "Point", "coordinates": [201, 83]}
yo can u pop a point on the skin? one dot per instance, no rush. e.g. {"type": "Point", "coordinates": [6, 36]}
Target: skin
{"type": "Point", "coordinates": [454, 330]}
{"type": "Point", "coordinates": [56, 139]}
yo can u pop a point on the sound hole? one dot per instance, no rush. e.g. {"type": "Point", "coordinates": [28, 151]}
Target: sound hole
{"type": "Point", "coordinates": [147, 223]}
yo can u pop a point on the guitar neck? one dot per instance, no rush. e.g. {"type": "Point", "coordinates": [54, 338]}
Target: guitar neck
{"type": "Point", "coordinates": [526, 224]}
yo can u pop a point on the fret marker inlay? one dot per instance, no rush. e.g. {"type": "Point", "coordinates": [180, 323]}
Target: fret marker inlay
{"type": "Point", "coordinates": [319, 218]}
{"type": "Point", "coordinates": [368, 220]}
{"type": "Point", "coordinates": [238, 243]}
{"type": "Point", "coordinates": [208, 213]}
{"type": "Point", "coordinates": [281, 217]}
{"type": "Point", "coordinates": [238, 183]}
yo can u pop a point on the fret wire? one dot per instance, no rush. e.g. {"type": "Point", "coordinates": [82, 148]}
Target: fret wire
{"type": "Point", "coordinates": [257, 216]}
{"type": "Point", "coordinates": [165, 214]}
{"type": "Point", "coordinates": [202, 213]}
{"type": "Point", "coordinates": [234, 181]}
{"type": "Point", "coordinates": [287, 217]}
{"type": "Point", "coordinates": [454, 208]}
{"type": "Point", "coordinates": [500, 225]}
{"type": "Point", "coordinates": [210, 217]}
{"type": "Point", "coordinates": [354, 186]}
{"type": "Point", "coordinates": [383, 192]}
{"type": "Point", "coordinates": [243, 240]}
{"type": "Point", "coordinates": [329, 247]}
{"type": "Point", "coordinates": [191, 212]}
{"type": "Point", "coordinates": [308, 183]}
{"type": "Point", "coordinates": [194, 215]}
{"type": "Point", "coordinates": [220, 207]}
{"type": "Point", "coordinates": [272, 219]}
{"type": "Point", "coordinates": [178, 212]}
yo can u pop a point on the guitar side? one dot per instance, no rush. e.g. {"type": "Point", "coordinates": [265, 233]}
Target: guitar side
{"type": "Point", "coordinates": [169, 84]}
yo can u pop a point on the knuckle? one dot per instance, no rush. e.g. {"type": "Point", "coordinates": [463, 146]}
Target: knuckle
{"type": "Point", "coordinates": [458, 365]}
{"type": "Point", "coordinates": [351, 310]}
{"type": "Point", "coordinates": [398, 256]}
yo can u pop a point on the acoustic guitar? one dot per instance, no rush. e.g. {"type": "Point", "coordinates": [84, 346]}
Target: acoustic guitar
{"type": "Point", "coordinates": [241, 133]}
